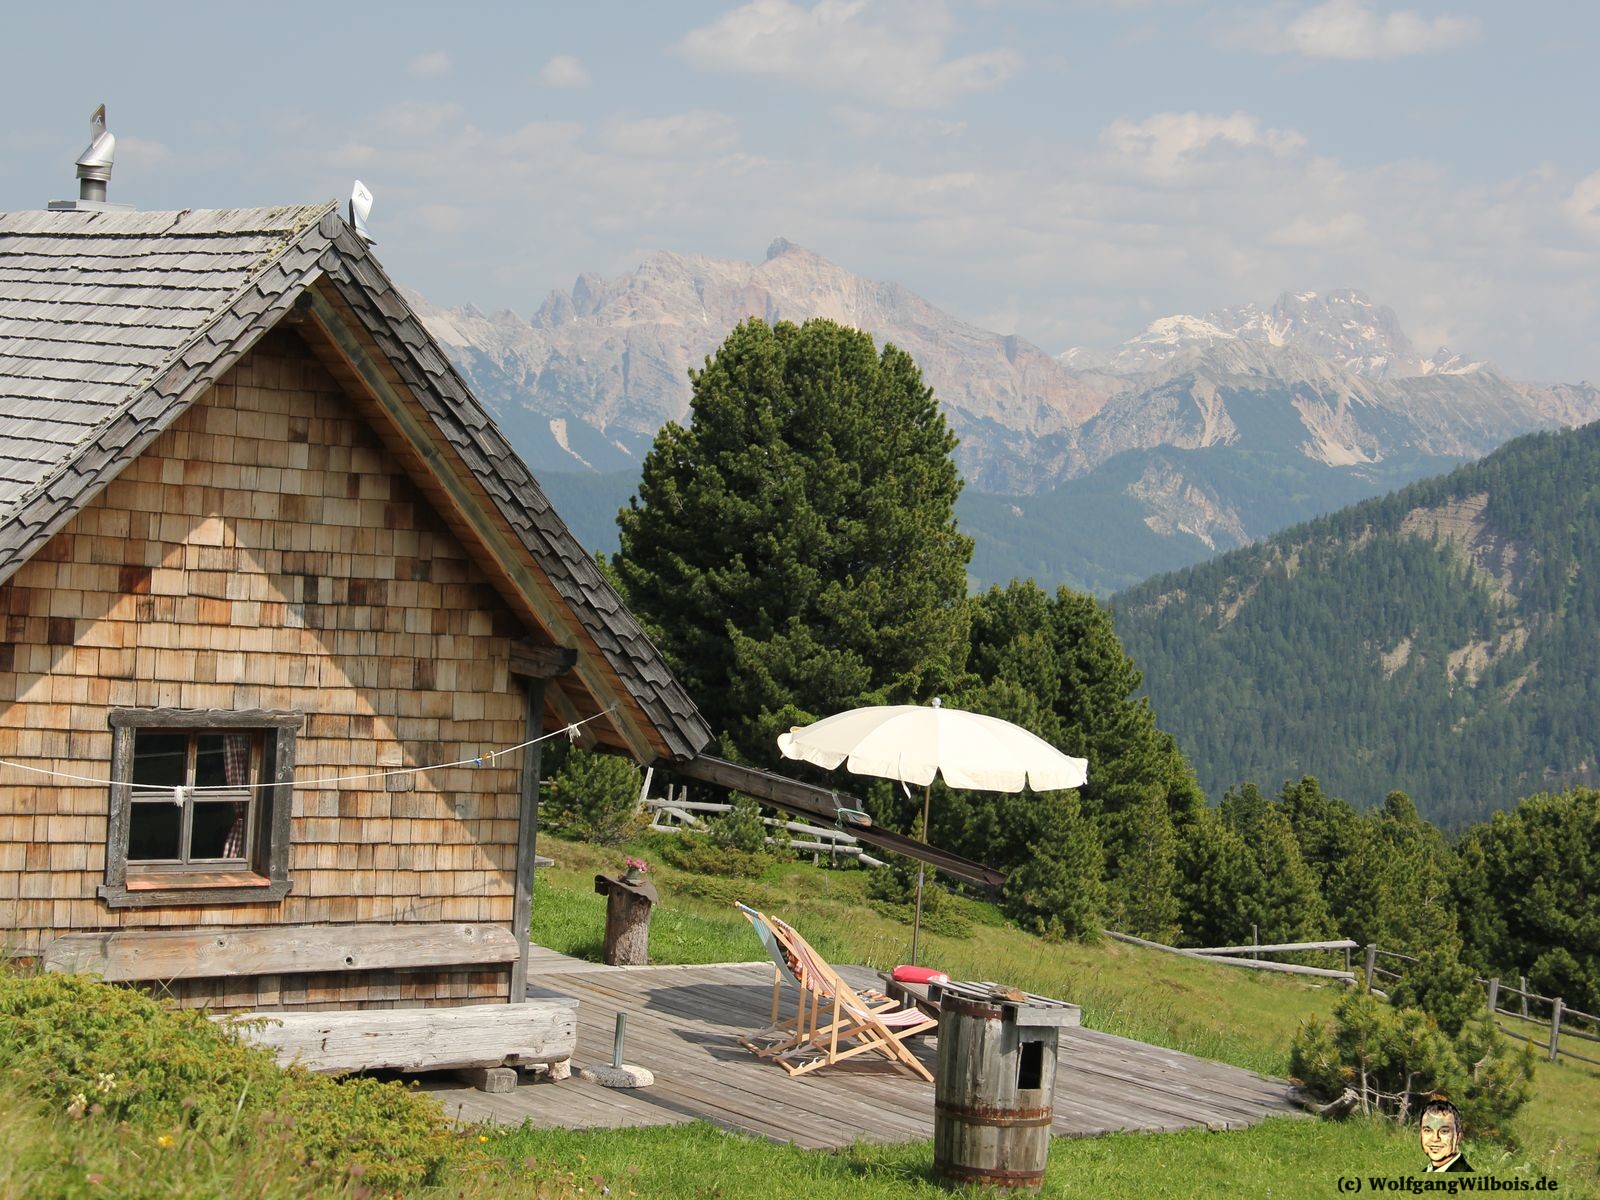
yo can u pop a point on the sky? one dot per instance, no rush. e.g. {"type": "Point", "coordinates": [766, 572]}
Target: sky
{"type": "Point", "coordinates": [1064, 171]}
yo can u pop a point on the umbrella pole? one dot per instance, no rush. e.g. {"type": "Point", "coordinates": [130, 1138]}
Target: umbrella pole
{"type": "Point", "coordinates": [916, 923]}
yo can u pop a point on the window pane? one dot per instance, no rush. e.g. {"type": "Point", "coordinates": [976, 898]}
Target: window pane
{"type": "Point", "coordinates": [154, 828]}
{"type": "Point", "coordinates": [210, 768]}
{"type": "Point", "coordinates": [160, 758]}
{"type": "Point", "coordinates": [218, 830]}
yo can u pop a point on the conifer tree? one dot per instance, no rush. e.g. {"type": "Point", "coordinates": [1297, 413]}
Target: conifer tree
{"type": "Point", "coordinates": [793, 550]}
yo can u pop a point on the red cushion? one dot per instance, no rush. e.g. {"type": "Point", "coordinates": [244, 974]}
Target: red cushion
{"type": "Point", "coordinates": [906, 974]}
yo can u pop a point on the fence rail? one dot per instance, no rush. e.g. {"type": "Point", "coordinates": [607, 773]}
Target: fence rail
{"type": "Point", "coordinates": [678, 814]}
{"type": "Point", "coordinates": [1214, 954]}
{"type": "Point", "coordinates": [1560, 1023]}
{"type": "Point", "coordinates": [1561, 1017]}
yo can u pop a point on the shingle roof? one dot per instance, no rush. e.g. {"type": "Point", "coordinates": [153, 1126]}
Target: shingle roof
{"type": "Point", "coordinates": [113, 323]}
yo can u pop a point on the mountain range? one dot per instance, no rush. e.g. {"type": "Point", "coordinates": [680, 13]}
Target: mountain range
{"type": "Point", "coordinates": [1090, 468]}
{"type": "Point", "coordinates": [1443, 640]}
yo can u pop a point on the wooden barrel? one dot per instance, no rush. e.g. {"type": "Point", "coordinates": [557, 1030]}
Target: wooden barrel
{"type": "Point", "coordinates": [992, 1096]}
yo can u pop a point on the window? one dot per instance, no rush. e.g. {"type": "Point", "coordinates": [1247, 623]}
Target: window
{"type": "Point", "coordinates": [199, 807]}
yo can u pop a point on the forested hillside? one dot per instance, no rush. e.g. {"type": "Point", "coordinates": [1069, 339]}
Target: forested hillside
{"type": "Point", "coordinates": [1443, 640]}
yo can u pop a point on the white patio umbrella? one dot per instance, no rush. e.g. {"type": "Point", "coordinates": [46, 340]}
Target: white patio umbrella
{"type": "Point", "coordinates": [913, 743]}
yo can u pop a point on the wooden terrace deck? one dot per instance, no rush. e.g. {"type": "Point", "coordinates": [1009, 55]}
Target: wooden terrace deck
{"type": "Point", "coordinates": [683, 1023]}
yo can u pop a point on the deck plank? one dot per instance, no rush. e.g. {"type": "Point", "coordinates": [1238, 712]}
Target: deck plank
{"type": "Point", "coordinates": [683, 1023]}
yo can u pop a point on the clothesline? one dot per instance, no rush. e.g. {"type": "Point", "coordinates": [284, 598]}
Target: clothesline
{"type": "Point", "coordinates": [180, 793]}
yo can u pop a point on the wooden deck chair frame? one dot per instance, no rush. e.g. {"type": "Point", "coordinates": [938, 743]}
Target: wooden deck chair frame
{"type": "Point", "coordinates": [781, 1035]}
{"type": "Point", "coordinates": [855, 1026]}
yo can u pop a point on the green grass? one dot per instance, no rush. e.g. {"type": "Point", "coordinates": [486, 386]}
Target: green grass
{"type": "Point", "coordinates": [1280, 1158]}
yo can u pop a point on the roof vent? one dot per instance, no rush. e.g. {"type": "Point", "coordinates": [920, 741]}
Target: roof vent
{"type": "Point", "coordinates": [94, 170]}
{"type": "Point", "coordinates": [360, 210]}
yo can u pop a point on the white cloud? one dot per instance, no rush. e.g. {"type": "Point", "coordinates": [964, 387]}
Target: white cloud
{"type": "Point", "coordinates": [1307, 231]}
{"type": "Point", "coordinates": [690, 133]}
{"type": "Point", "coordinates": [1582, 207]}
{"type": "Point", "coordinates": [891, 54]}
{"type": "Point", "coordinates": [563, 71]}
{"type": "Point", "coordinates": [1166, 146]}
{"type": "Point", "coordinates": [1352, 29]}
{"type": "Point", "coordinates": [430, 65]}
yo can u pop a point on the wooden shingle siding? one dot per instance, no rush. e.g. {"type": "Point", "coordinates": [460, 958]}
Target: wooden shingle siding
{"type": "Point", "coordinates": [266, 552]}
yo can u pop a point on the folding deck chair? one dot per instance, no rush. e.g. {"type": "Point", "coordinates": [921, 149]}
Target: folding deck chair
{"type": "Point", "coordinates": [832, 1021]}
{"type": "Point", "coordinates": [781, 1034]}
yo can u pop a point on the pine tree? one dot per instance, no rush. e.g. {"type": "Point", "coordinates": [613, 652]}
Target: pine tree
{"type": "Point", "coordinates": [794, 550]}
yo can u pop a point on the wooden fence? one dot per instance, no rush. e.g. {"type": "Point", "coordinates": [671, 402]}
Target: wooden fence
{"type": "Point", "coordinates": [676, 813]}
{"type": "Point", "coordinates": [1233, 956]}
{"type": "Point", "coordinates": [1563, 1022]}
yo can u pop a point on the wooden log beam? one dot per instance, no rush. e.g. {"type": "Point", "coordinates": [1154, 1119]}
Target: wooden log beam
{"type": "Point", "coordinates": [1339, 945]}
{"type": "Point", "coordinates": [138, 954]}
{"type": "Point", "coordinates": [527, 838]}
{"type": "Point", "coordinates": [1285, 968]}
{"type": "Point", "coordinates": [807, 800]}
{"type": "Point", "coordinates": [533, 661]}
{"type": "Point", "coordinates": [418, 1039]}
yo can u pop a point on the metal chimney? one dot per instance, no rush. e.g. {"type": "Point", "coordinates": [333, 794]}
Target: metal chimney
{"type": "Point", "coordinates": [94, 170]}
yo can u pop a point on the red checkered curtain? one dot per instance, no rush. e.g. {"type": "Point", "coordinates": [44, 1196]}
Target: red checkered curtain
{"type": "Point", "coordinates": [236, 765]}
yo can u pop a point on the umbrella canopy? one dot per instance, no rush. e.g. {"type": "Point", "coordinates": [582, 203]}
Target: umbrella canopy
{"type": "Point", "coordinates": [913, 743]}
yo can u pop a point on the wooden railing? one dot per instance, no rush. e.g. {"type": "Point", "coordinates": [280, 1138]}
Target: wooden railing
{"type": "Point", "coordinates": [678, 814]}
{"type": "Point", "coordinates": [1233, 956]}
{"type": "Point", "coordinates": [1562, 1022]}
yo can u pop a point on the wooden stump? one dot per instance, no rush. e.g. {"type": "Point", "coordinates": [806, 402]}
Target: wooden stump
{"type": "Point", "coordinates": [628, 906]}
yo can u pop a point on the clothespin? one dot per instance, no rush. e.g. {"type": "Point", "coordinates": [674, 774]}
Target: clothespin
{"type": "Point", "coordinates": [478, 761]}
{"type": "Point", "coordinates": [178, 796]}
{"type": "Point", "coordinates": [572, 734]}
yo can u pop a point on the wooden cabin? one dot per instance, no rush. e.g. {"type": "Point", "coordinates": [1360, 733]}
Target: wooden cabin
{"type": "Point", "coordinates": [283, 621]}
{"type": "Point", "coordinates": [276, 599]}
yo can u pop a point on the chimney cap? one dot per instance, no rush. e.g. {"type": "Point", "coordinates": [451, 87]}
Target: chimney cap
{"type": "Point", "coordinates": [94, 171]}
{"type": "Point", "coordinates": [95, 161]}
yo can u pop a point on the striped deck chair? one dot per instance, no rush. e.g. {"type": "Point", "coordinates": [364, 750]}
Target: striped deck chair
{"type": "Point", "coordinates": [782, 1034]}
{"type": "Point", "coordinates": [853, 1025]}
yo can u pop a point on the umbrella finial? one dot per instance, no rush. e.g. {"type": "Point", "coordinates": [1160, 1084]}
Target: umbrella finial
{"type": "Point", "coordinates": [936, 702]}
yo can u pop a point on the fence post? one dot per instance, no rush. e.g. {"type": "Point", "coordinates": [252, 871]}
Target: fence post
{"type": "Point", "coordinates": [1522, 982]}
{"type": "Point", "coordinates": [1255, 940]}
{"type": "Point", "coordinates": [1494, 994]}
{"type": "Point", "coordinates": [1555, 1027]}
{"type": "Point", "coordinates": [1372, 962]}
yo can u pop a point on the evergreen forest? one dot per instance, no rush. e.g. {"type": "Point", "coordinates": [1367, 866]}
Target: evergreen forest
{"type": "Point", "coordinates": [1443, 640]}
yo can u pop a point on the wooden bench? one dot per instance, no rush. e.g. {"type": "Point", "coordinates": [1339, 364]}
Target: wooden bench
{"type": "Point", "coordinates": [472, 1037]}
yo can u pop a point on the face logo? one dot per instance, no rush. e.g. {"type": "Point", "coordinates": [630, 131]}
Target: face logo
{"type": "Point", "coordinates": [1441, 1137]}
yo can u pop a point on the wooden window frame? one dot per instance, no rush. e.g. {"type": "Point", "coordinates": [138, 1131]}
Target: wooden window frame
{"type": "Point", "coordinates": [266, 878]}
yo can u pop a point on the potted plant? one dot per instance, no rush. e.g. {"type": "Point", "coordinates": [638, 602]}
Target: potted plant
{"type": "Point", "coordinates": [634, 869]}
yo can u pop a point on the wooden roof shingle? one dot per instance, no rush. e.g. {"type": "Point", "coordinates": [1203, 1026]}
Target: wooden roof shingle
{"type": "Point", "coordinates": [113, 323]}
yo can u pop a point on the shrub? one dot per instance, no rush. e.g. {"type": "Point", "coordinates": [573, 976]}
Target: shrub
{"type": "Point", "coordinates": [594, 798]}
{"type": "Point", "coordinates": [700, 855]}
{"type": "Point", "coordinates": [1393, 1059]}
{"type": "Point", "coordinates": [741, 828]}
{"type": "Point", "coordinates": [1442, 987]}
{"type": "Point", "coordinates": [114, 1054]}
{"type": "Point", "coordinates": [892, 889]}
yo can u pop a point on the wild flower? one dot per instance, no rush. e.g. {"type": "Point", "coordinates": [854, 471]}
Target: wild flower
{"type": "Point", "coordinates": [105, 1081]}
{"type": "Point", "coordinates": [164, 1141]}
{"type": "Point", "coordinates": [78, 1105]}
